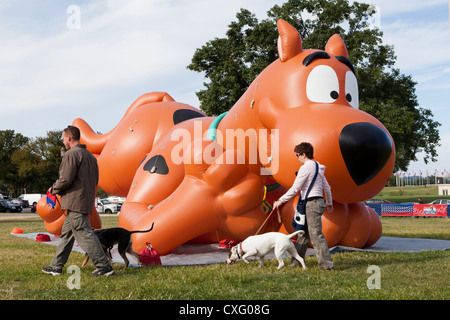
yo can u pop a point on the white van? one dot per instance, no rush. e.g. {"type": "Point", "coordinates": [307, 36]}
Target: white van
{"type": "Point", "coordinates": [32, 198]}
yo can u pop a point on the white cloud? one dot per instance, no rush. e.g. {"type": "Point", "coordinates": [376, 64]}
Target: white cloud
{"type": "Point", "coordinates": [126, 42]}
{"type": "Point", "coordinates": [123, 49]}
{"type": "Point", "coordinates": [418, 31]}
{"type": "Point", "coordinates": [443, 159]}
{"type": "Point", "coordinates": [420, 45]}
{"type": "Point", "coordinates": [119, 41]}
{"type": "Point", "coordinates": [433, 74]}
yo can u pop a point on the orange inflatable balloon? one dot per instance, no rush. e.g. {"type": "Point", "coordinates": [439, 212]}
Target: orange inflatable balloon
{"type": "Point", "coordinates": [199, 178]}
{"type": "Point", "coordinates": [54, 217]}
{"type": "Point", "coordinates": [335, 224]}
{"type": "Point", "coordinates": [287, 214]}
{"type": "Point", "coordinates": [55, 227]}
{"type": "Point", "coordinates": [377, 228]}
{"type": "Point", "coordinates": [120, 151]}
{"type": "Point", "coordinates": [360, 226]}
{"type": "Point", "coordinates": [47, 213]}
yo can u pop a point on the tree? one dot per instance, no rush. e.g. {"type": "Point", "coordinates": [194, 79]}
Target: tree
{"type": "Point", "coordinates": [29, 163]}
{"type": "Point", "coordinates": [48, 148]}
{"type": "Point", "coordinates": [232, 63]}
{"type": "Point", "coordinates": [9, 143]}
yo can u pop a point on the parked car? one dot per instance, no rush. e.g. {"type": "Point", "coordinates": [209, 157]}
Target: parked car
{"type": "Point", "coordinates": [116, 199]}
{"type": "Point", "coordinates": [8, 206]}
{"type": "Point", "coordinates": [441, 201]}
{"type": "Point", "coordinates": [23, 203]}
{"type": "Point", "coordinates": [104, 206]}
{"type": "Point", "coordinates": [378, 201]}
{"type": "Point", "coordinates": [32, 198]}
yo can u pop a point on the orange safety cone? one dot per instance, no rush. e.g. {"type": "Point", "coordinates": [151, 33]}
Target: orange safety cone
{"type": "Point", "coordinates": [17, 230]}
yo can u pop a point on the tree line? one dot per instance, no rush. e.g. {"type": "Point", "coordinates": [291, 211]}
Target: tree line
{"type": "Point", "coordinates": [29, 164]}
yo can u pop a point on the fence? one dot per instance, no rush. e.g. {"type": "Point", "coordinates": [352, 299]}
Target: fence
{"type": "Point", "coordinates": [411, 210]}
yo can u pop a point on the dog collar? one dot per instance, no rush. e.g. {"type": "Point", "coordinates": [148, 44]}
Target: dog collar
{"type": "Point", "coordinates": [239, 248]}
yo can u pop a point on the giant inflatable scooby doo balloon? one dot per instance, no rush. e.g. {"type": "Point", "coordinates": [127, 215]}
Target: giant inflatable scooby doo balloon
{"type": "Point", "coordinates": [203, 179]}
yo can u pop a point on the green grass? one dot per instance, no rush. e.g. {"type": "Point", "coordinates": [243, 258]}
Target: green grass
{"type": "Point", "coordinates": [410, 227]}
{"type": "Point", "coordinates": [422, 275]}
{"type": "Point", "coordinates": [410, 194]}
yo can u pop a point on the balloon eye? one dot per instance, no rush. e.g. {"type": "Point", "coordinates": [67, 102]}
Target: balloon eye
{"type": "Point", "coordinates": [349, 97]}
{"type": "Point", "coordinates": [334, 94]}
{"type": "Point", "coordinates": [351, 89]}
{"type": "Point", "coordinates": [322, 85]}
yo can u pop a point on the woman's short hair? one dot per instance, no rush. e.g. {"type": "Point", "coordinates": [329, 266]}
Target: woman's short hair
{"type": "Point", "coordinates": [305, 148]}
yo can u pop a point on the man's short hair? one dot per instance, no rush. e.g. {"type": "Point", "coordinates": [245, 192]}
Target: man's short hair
{"type": "Point", "coordinates": [74, 132]}
{"type": "Point", "coordinates": [305, 148]}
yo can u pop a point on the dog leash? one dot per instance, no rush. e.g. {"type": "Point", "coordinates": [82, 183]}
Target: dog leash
{"type": "Point", "coordinates": [269, 215]}
{"type": "Point", "coordinates": [64, 211]}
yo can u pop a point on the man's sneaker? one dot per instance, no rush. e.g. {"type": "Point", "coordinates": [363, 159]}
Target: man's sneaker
{"type": "Point", "coordinates": [51, 270]}
{"type": "Point", "coordinates": [103, 272]}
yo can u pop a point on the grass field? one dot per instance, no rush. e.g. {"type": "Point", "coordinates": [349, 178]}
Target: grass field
{"type": "Point", "coordinates": [410, 194]}
{"type": "Point", "coordinates": [424, 275]}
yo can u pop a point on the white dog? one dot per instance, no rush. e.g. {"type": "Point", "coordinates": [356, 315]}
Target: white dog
{"type": "Point", "coordinates": [263, 244]}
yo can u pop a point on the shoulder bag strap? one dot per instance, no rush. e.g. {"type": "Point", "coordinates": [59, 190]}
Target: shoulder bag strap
{"type": "Point", "coordinates": [313, 181]}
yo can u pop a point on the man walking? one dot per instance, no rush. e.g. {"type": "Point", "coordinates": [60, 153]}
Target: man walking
{"type": "Point", "coordinates": [78, 178]}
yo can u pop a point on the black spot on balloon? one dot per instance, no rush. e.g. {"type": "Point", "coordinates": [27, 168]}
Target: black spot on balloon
{"type": "Point", "coordinates": [157, 164]}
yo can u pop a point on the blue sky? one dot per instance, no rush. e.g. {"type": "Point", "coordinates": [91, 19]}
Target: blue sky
{"type": "Point", "coordinates": [52, 73]}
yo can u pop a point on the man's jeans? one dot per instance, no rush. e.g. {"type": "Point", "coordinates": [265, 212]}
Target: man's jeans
{"type": "Point", "coordinates": [78, 227]}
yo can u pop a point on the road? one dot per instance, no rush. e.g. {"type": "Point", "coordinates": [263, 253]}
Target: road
{"type": "Point", "coordinates": [26, 213]}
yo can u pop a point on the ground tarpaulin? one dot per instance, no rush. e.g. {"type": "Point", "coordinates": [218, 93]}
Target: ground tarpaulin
{"type": "Point", "coordinates": [198, 254]}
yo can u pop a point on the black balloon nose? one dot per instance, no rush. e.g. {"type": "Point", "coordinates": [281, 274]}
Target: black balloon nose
{"type": "Point", "coordinates": [365, 148]}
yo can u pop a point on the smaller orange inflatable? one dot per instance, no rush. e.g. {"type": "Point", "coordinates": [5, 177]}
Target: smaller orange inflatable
{"type": "Point", "coordinates": [54, 218]}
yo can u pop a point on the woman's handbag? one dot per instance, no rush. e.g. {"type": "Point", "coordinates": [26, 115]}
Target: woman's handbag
{"type": "Point", "coordinates": [299, 220]}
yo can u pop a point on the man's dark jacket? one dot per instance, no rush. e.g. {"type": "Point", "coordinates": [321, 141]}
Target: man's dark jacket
{"type": "Point", "coordinates": [78, 179]}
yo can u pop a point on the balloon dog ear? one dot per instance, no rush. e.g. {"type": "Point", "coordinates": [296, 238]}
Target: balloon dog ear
{"type": "Point", "coordinates": [336, 46]}
{"type": "Point", "coordinates": [289, 41]}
